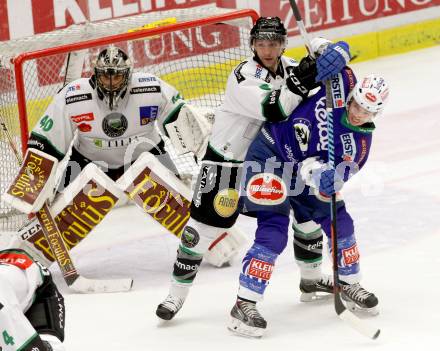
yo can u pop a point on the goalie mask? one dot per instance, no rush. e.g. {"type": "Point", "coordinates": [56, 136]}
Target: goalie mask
{"type": "Point", "coordinates": [112, 72]}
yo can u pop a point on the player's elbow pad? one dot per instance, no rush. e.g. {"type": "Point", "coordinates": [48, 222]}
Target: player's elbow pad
{"type": "Point", "coordinates": [34, 182]}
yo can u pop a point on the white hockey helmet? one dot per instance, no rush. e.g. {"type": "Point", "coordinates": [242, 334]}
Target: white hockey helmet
{"type": "Point", "coordinates": [371, 93]}
{"type": "Point", "coordinates": [113, 71]}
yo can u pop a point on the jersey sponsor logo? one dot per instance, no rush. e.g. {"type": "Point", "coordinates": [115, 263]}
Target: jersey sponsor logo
{"type": "Point", "coordinates": [16, 259]}
{"type": "Point", "coordinates": [226, 202]}
{"type": "Point", "coordinates": [301, 127]}
{"type": "Point", "coordinates": [147, 79]}
{"type": "Point", "coordinates": [267, 136]}
{"type": "Point", "coordinates": [207, 179]}
{"type": "Point", "coordinates": [78, 98]}
{"type": "Point", "coordinates": [84, 117]}
{"type": "Point", "coordinates": [258, 71]}
{"type": "Point", "coordinates": [348, 146]}
{"type": "Point", "coordinates": [148, 114]}
{"type": "Point", "coordinates": [289, 153]}
{"type": "Point", "coordinates": [266, 189]}
{"type": "Point", "coordinates": [84, 127]}
{"type": "Point", "coordinates": [36, 144]}
{"type": "Point", "coordinates": [363, 150]}
{"type": "Point", "coordinates": [145, 90]}
{"type": "Point", "coordinates": [321, 118]}
{"type": "Point", "coordinates": [114, 124]}
{"type": "Point", "coordinates": [370, 97]}
{"type": "Point", "coordinates": [338, 93]}
{"type": "Point", "coordinates": [351, 78]}
{"type": "Point", "coordinates": [260, 269]}
{"type": "Point", "coordinates": [186, 267]}
{"type": "Point", "coordinates": [110, 144]}
{"type": "Point", "coordinates": [73, 88]}
{"type": "Point", "coordinates": [350, 255]}
{"type": "Point", "coordinates": [238, 74]}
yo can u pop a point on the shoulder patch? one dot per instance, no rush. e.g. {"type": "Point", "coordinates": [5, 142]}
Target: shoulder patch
{"type": "Point", "coordinates": [78, 98]}
{"type": "Point", "coordinates": [145, 90]}
{"type": "Point", "coordinates": [238, 75]}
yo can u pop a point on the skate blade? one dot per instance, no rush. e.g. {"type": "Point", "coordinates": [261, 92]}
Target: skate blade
{"type": "Point", "coordinates": [239, 328]}
{"type": "Point", "coordinates": [373, 311]}
{"type": "Point", "coordinates": [311, 297]}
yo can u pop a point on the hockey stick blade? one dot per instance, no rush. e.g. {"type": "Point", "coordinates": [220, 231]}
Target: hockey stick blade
{"type": "Point", "coordinates": [86, 286]}
{"type": "Point", "coordinates": [359, 325]}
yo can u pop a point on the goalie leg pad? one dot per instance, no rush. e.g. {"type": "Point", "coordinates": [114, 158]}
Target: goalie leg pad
{"type": "Point", "coordinates": [82, 206]}
{"type": "Point", "coordinates": [225, 246]}
{"type": "Point", "coordinates": [47, 313]}
{"type": "Point", "coordinates": [216, 195]}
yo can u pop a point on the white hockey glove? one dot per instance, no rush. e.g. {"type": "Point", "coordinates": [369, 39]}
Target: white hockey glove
{"type": "Point", "coordinates": [191, 130]}
{"type": "Point", "coordinates": [308, 167]}
{"type": "Point", "coordinates": [225, 247]}
{"type": "Point", "coordinates": [319, 45]}
{"type": "Point", "coordinates": [321, 176]}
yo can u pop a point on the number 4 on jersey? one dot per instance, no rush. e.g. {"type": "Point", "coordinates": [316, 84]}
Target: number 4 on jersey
{"type": "Point", "coordinates": [9, 340]}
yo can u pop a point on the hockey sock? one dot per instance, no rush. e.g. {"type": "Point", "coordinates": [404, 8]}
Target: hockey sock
{"type": "Point", "coordinates": [255, 273]}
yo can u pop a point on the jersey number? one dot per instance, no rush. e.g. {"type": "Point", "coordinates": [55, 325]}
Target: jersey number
{"type": "Point", "coordinates": [46, 123]}
{"type": "Point", "coordinates": [9, 340]}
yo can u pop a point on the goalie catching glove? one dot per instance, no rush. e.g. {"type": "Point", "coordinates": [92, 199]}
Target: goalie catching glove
{"type": "Point", "coordinates": [34, 183]}
{"type": "Point", "coordinates": [191, 130]}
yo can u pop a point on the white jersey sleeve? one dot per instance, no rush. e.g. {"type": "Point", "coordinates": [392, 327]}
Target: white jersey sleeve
{"type": "Point", "coordinates": [253, 95]}
{"type": "Point", "coordinates": [54, 132]}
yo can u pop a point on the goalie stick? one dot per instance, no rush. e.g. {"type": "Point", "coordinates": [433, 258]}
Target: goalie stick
{"type": "Point", "coordinates": [342, 312]}
{"type": "Point", "coordinates": [74, 280]}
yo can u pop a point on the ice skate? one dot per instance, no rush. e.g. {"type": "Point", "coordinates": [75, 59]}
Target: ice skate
{"type": "Point", "coordinates": [357, 298]}
{"type": "Point", "coordinates": [169, 307]}
{"type": "Point", "coordinates": [316, 289]}
{"type": "Point", "coordinates": [246, 320]}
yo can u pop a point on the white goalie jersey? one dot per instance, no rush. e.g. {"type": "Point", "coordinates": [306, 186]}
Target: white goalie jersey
{"type": "Point", "coordinates": [249, 88]}
{"type": "Point", "coordinates": [114, 137]}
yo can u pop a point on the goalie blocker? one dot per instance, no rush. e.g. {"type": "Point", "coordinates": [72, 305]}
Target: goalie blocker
{"type": "Point", "coordinates": [34, 182]}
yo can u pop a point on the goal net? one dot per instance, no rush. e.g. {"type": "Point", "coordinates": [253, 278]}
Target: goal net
{"type": "Point", "coordinates": [192, 49]}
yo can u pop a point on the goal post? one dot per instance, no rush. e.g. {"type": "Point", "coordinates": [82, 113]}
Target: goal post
{"type": "Point", "coordinates": [193, 49]}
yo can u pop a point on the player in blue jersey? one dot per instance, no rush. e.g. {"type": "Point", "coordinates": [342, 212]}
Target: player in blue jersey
{"type": "Point", "coordinates": [286, 168]}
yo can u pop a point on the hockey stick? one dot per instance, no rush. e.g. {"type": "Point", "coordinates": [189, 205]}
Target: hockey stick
{"type": "Point", "coordinates": [342, 312]}
{"type": "Point", "coordinates": [59, 249]}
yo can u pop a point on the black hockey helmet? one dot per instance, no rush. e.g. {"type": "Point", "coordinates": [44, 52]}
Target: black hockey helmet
{"type": "Point", "coordinates": [268, 28]}
{"type": "Point", "coordinates": [112, 71]}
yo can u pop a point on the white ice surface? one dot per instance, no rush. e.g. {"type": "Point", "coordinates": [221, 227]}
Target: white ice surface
{"type": "Point", "coordinates": [395, 202]}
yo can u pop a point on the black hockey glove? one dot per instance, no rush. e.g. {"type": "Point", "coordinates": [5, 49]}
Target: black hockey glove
{"type": "Point", "coordinates": [302, 77]}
